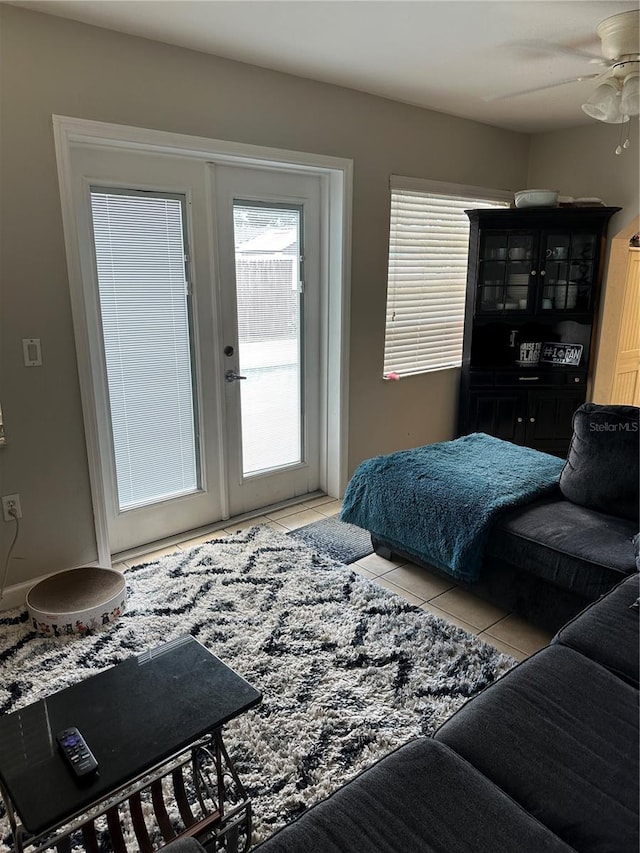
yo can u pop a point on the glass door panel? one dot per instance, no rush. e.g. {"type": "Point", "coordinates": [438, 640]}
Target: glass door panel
{"type": "Point", "coordinates": [581, 272]}
{"type": "Point", "coordinates": [504, 282]}
{"type": "Point", "coordinates": [555, 272]}
{"type": "Point", "coordinates": [493, 255]}
{"type": "Point", "coordinates": [494, 247]}
{"type": "Point", "coordinates": [518, 278]}
{"type": "Point", "coordinates": [491, 290]}
{"type": "Point", "coordinates": [567, 271]}
{"type": "Point", "coordinates": [583, 246]}
{"type": "Point", "coordinates": [518, 273]}
{"type": "Point", "coordinates": [520, 247]}
{"type": "Point", "coordinates": [268, 249]}
{"type": "Point", "coordinates": [557, 248]}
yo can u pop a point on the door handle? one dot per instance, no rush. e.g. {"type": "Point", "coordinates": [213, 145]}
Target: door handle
{"type": "Point", "coordinates": [232, 376]}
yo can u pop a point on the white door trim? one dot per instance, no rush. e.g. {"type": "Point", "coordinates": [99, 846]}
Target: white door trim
{"type": "Point", "coordinates": [338, 181]}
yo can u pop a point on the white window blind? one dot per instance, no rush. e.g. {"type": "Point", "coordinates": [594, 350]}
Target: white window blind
{"type": "Point", "coordinates": [428, 249]}
{"type": "Point", "coordinates": [140, 260]}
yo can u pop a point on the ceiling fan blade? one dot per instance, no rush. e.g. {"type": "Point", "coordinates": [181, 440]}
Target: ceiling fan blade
{"type": "Point", "coordinates": [562, 49]}
{"type": "Point", "coordinates": [505, 95]}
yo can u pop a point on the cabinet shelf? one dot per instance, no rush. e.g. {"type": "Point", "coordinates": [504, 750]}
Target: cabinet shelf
{"type": "Point", "coordinates": [490, 315]}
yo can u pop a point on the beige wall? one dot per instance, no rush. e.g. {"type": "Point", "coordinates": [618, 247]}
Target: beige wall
{"type": "Point", "coordinates": [49, 65]}
{"type": "Point", "coordinates": [581, 161]}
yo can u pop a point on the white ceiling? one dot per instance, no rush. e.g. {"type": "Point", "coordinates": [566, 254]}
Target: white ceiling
{"type": "Point", "coordinates": [447, 55]}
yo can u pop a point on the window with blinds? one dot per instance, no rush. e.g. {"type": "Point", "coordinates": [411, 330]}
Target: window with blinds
{"type": "Point", "coordinates": [428, 249]}
{"type": "Point", "coordinates": [140, 258]}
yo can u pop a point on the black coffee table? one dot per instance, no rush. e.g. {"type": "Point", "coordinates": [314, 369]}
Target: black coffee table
{"type": "Point", "coordinates": [154, 716]}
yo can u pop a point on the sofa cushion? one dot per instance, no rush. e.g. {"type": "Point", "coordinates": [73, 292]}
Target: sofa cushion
{"type": "Point", "coordinates": [602, 470]}
{"type": "Point", "coordinates": [422, 797]}
{"type": "Point", "coordinates": [559, 733]}
{"type": "Point", "coordinates": [570, 546]}
{"type": "Point", "coordinates": [607, 631]}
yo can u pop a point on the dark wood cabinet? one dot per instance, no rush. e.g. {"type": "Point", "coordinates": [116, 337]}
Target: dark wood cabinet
{"type": "Point", "coordinates": [498, 413]}
{"type": "Point", "coordinates": [548, 419]}
{"type": "Point", "coordinates": [532, 292]}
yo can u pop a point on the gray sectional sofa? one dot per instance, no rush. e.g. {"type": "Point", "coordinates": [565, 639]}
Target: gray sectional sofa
{"type": "Point", "coordinates": [543, 760]}
{"type": "Point", "coordinates": [549, 559]}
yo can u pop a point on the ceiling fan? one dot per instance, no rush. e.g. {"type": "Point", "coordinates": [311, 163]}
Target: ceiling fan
{"type": "Point", "coordinates": [617, 97]}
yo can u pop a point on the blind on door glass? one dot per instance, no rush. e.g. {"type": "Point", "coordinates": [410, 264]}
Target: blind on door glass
{"type": "Point", "coordinates": [140, 259]}
{"type": "Point", "coordinates": [428, 251]}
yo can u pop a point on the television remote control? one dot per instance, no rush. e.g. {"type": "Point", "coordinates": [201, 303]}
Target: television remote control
{"type": "Point", "coordinates": [75, 750]}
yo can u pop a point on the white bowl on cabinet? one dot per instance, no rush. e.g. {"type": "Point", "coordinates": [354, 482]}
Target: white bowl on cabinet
{"type": "Point", "coordinates": [536, 198]}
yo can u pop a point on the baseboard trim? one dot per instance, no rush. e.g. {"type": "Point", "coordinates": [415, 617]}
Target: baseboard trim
{"type": "Point", "coordinates": [16, 594]}
{"type": "Point", "coordinates": [149, 547]}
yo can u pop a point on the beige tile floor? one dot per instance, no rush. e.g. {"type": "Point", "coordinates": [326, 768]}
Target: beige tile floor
{"type": "Point", "coordinates": [505, 631]}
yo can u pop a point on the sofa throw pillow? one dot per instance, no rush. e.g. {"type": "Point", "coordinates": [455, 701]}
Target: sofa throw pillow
{"type": "Point", "coordinates": [602, 470]}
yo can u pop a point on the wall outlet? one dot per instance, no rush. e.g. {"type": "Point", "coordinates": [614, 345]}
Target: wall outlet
{"type": "Point", "coordinates": [32, 352]}
{"type": "Point", "coordinates": [11, 502]}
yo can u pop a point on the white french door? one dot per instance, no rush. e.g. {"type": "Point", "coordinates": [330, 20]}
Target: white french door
{"type": "Point", "coordinates": [195, 275]}
{"type": "Point", "coordinates": [268, 259]}
{"type": "Point", "coordinates": [145, 252]}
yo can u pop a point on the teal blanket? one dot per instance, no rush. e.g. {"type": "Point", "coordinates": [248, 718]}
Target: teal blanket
{"type": "Point", "coordinates": [438, 502]}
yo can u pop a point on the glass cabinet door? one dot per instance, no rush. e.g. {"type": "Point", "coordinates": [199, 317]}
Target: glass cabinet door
{"type": "Point", "coordinates": [504, 278]}
{"type": "Point", "coordinates": [568, 271]}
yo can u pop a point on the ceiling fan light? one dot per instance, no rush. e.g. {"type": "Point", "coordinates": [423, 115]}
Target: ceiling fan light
{"type": "Point", "coordinates": [604, 103]}
{"type": "Point", "coordinates": [630, 100]}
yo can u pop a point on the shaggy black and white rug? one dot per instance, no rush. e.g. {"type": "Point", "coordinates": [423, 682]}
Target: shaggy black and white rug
{"type": "Point", "coordinates": [348, 670]}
